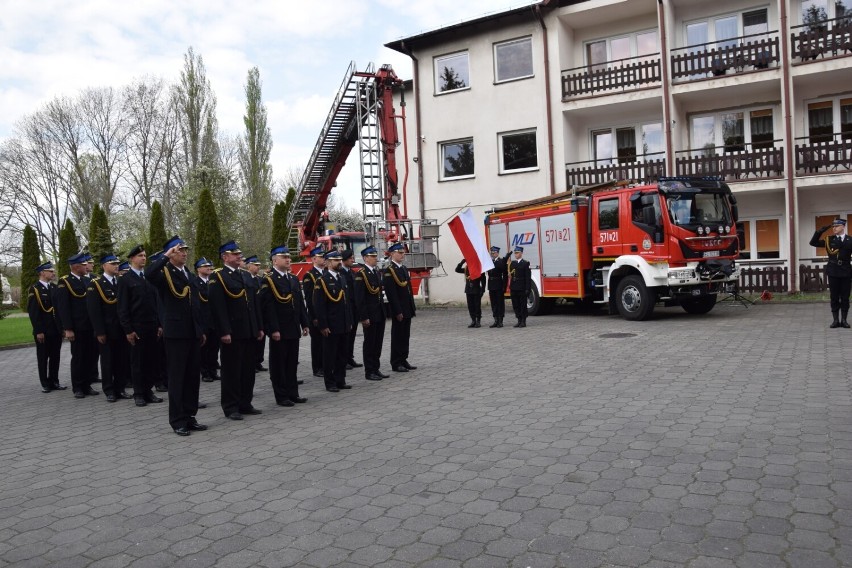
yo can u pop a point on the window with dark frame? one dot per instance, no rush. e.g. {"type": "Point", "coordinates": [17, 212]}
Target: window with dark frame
{"type": "Point", "coordinates": [518, 151]}
{"type": "Point", "coordinates": [608, 214]}
{"type": "Point", "coordinates": [457, 159]}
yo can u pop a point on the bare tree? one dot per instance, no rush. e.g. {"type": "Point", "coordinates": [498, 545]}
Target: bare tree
{"type": "Point", "coordinates": [104, 123]}
{"type": "Point", "coordinates": [147, 114]}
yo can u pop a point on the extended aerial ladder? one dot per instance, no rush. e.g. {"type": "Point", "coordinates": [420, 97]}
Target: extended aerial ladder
{"type": "Point", "coordinates": [363, 115]}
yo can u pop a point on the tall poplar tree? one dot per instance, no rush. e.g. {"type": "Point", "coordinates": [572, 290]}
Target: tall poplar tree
{"type": "Point", "coordinates": [279, 225]}
{"type": "Point", "coordinates": [255, 169]}
{"type": "Point", "coordinates": [100, 237]}
{"type": "Point", "coordinates": [68, 247]}
{"type": "Point", "coordinates": [156, 229]}
{"type": "Point", "coordinates": [208, 236]}
{"type": "Point", "coordinates": [30, 256]}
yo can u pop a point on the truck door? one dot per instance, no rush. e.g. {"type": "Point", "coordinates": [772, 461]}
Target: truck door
{"type": "Point", "coordinates": [606, 229]}
{"type": "Point", "coordinates": [646, 233]}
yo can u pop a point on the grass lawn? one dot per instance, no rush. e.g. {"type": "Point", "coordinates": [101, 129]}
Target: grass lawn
{"type": "Point", "coordinates": [14, 331]}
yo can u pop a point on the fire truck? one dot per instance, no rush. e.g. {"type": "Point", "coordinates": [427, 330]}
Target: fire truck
{"type": "Point", "coordinates": [627, 246]}
{"type": "Point", "coordinates": [363, 116]}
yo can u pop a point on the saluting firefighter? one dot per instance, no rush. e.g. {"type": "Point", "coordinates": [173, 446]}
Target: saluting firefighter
{"type": "Point", "coordinates": [838, 247]}
{"type": "Point", "coordinates": [497, 286]}
{"type": "Point", "coordinates": [46, 330]}
{"type": "Point", "coordinates": [161, 381]}
{"type": "Point", "coordinates": [114, 351]}
{"type": "Point", "coordinates": [252, 266]}
{"type": "Point", "coordinates": [348, 257]}
{"type": "Point", "coordinates": [74, 318]}
{"type": "Point", "coordinates": [474, 289]}
{"type": "Point", "coordinates": [210, 349]}
{"type": "Point", "coordinates": [397, 286]}
{"type": "Point", "coordinates": [285, 321]}
{"type": "Point", "coordinates": [309, 281]}
{"type": "Point", "coordinates": [233, 305]}
{"type": "Point", "coordinates": [334, 320]}
{"type": "Point", "coordinates": [183, 334]}
{"type": "Point", "coordinates": [520, 282]}
{"type": "Point", "coordinates": [368, 301]}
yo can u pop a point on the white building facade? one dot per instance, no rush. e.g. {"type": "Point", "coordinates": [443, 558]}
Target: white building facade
{"type": "Point", "coordinates": [535, 100]}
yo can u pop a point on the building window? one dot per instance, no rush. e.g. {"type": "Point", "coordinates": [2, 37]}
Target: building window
{"type": "Point", "coordinates": [600, 53]}
{"type": "Point", "coordinates": [762, 239]}
{"type": "Point", "coordinates": [829, 118]}
{"type": "Point", "coordinates": [518, 151]}
{"type": "Point", "coordinates": [513, 60]}
{"type": "Point", "coordinates": [815, 12]}
{"type": "Point", "coordinates": [452, 72]}
{"type": "Point", "coordinates": [619, 145]}
{"type": "Point", "coordinates": [732, 131]}
{"type": "Point", "coordinates": [722, 31]}
{"type": "Point", "coordinates": [457, 159]}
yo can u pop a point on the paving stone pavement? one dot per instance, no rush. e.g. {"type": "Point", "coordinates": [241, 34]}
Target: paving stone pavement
{"type": "Point", "coordinates": [700, 441]}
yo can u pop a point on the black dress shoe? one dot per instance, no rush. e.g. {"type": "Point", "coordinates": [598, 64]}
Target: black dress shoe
{"type": "Point", "coordinates": [140, 401]}
{"type": "Point", "coordinates": [373, 377]}
{"type": "Point", "coordinates": [123, 395]}
{"type": "Point", "coordinates": [46, 389]}
{"type": "Point", "coordinates": [408, 366]}
{"type": "Point", "coordinates": [319, 374]}
{"type": "Point", "coordinates": [381, 375]}
{"type": "Point", "coordinates": [332, 389]}
{"type": "Point", "coordinates": [260, 367]}
{"type": "Point", "coordinates": [111, 398]}
{"type": "Point", "coordinates": [79, 394]}
{"type": "Point", "coordinates": [354, 364]}
{"type": "Point", "coordinates": [400, 369]}
{"type": "Point", "coordinates": [300, 382]}
{"type": "Point", "coordinates": [202, 405]}
{"type": "Point", "coordinates": [344, 387]}
{"type": "Point", "coordinates": [58, 387]}
{"type": "Point", "coordinates": [298, 400]}
{"type": "Point", "coordinates": [183, 431]}
{"type": "Point", "coordinates": [349, 366]}
{"type": "Point", "coordinates": [194, 425]}
{"type": "Point", "coordinates": [151, 397]}
{"type": "Point", "coordinates": [285, 403]}
{"type": "Point", "coordinates": [90, 391]}
{"type": "Point", "coordinates": [252, 410]}
{"type": "Point", "coordinates": [161, 388]}
{"type": "Point", "coordinates": [207, 379]}
{"type": "Point", "coordinates": [235, 416]}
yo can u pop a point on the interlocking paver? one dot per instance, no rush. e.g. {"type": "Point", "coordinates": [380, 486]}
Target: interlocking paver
{"type": "Point", "coordinates": [723, 440]}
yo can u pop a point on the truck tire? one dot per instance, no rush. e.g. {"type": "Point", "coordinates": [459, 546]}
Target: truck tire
{"type": "Point", "coordinates": [700, 305]}
{"type": "Point", "coordinates": [633, 299]}
{"type": "Point", "coordinates": [533, 301]}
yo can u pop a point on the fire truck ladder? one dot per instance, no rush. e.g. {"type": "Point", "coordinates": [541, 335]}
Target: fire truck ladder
{"type": "Point", "coordinates": [370, 148]}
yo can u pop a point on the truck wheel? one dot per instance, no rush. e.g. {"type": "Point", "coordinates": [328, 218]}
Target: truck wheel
{"type": "Point", "coordinates": [633, 299]}
{"type": "Point", "coordinates": [534, 303]}
{"type": "Point", "coordinates": [700, 305]}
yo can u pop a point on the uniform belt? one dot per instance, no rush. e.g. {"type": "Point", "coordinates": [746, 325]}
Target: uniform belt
{"type": "Point", "coordinates": [837, 262]}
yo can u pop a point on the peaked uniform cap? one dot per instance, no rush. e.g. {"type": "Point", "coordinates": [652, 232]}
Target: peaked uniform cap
{"type": "Point", "coordinates": [109, 259]}
{"type": "Point", "coordinates": [202, 262]}
{"type": "Point", "coordinates": [175, 241]}
{"type": "Point", "coordinates": [45, 266]}
{"type": "Point", "coordinates": [369, 251]}
{"type": "Point", "coordinates": [396, 248]}
{"type": "Point", "coordinates": [230, 246]}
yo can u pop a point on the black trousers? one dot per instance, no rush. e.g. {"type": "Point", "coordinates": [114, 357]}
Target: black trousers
{"type": "Point", "coordinates": [84, 353]}
{"type": "Point", "coordinates": [840, 286]}
{"type": "Point", "coordinates": [372, 349]}
{"type": "Point", "coordinates": [334, 349]}
{"type": "Point", "coordinates": [93, 370]}
{"type": "Point", "coordinates": [261, 350]}
{"type": "Point", "coordinates": [519, 305]}
{"type": "Point", "coordinates": [47, 355]}
{"type": "Point", "coordinates": [162, 378]}
{"type": "Point", "coordinates": [238, 362]}
{"type": "Point", "coordinates": [184, 358]}
{"type": "Point", "coordinates": [400, 335]}
{"type": "Point", "coordinates": [144, 362]}
{"type": "Point", "coordinates": [210, 354]}
{"type": "Point", "coordinates": [115, 363]}
{"type": "Point", "coordinates": [316, 348]}
{"type": "Point", "coordinates": [474, 305]}
{"type": "Point", "coordinates": [350, 339]}
{"type": "Point", "coordinates": [283, 360]}
{"type": "Point", "coordinates": [498, 304]}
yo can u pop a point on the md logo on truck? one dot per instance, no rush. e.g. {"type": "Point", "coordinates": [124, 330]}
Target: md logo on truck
{"type": "Point", "coordinates": [523, 239]}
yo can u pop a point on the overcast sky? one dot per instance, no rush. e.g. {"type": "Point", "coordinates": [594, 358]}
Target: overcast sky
{"type": "Point", "coordinates": [58, 47]}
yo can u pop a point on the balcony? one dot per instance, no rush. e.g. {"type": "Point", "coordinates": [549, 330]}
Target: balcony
{"type": "Point", "coordinates": [826, 153]}
{"type": "Point", "coordinates": [645, 168]}
{"type": "Point", "coordinates": [828, 38]}
{"type": "Point", "coordinates": [737, 55]}
{"type": "Point", "coordinates": [740, 165]}
{"type": "Point", "coordinates": [617, 75]}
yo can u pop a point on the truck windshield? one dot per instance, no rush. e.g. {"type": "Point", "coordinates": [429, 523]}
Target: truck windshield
{"type": "Point", "coordinates": [698, 208]}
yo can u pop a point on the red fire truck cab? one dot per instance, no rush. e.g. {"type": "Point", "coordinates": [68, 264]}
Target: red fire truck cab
{"type": "Point", "coordinates": [674, 241]}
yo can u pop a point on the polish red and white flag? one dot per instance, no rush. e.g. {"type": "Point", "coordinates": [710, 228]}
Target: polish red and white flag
{"type": "Point", "coordinates": [470, 237]}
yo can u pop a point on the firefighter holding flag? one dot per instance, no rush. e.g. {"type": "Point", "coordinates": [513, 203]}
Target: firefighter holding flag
{"type": "Point", "coordinates": [469, 237]}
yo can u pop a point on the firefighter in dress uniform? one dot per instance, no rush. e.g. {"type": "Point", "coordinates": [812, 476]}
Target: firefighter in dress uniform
{"type": "Point", "coordinates": [210, 349]}
{"type": "Point", "coordinates": [46, 331]}
{"type": "Point", "coordinates": [348, 257]}
{"type": "Point", "coordinates": [397, 286]}
{"type": "Point", "coordinates": [285, 321]}
{"type": "Point", "coordinates": [334, 320]}
{"type": "Point", "coordinates": [113, 349]}
{"type": "Point", "coordinates": [474, 289]}
{"type": "Point", "coordinates": [77, 327]}
{"type": "Point", "coordinates": [252, 266]}
{"type": "Point", "coordinates": [838, 247]}
{"type": "Point", "coordinates": [309, 281]}
{"type": "Point", "coordinates": [368, 302]}
{"type": "Point", "coordinates": [497, 286]}
{"type": "Point", "coordinates": [520, 282]}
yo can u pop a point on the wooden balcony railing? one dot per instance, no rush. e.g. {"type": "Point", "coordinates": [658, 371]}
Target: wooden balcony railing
{"type": "Point", "coordinates": [755, 51]}
{"type": "Point", "coordinates": [620, 74]}
{"type": "Point", "coordinates": [649, 169]}
{"type": "Point", "coordinates": [824, 153]}
{"type": "Point", "coordinates": [751, 162]}
{"type": "Point", "coordinates": [827, 38]}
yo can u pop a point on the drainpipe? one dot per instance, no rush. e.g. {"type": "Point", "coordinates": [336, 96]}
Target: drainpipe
{"type": "Point", "coordinates": [547, 97]}
{"type": "Point", "coordinates": [786, 107]}
{"type": "Point", "coordinates": [664, 68]}
{"type": "Point", "coordinates": [421, 199]}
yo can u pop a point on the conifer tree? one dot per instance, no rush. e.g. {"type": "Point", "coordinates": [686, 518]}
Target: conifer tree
{"type": "Point", "coordinates": [279, 225]}
{"type": "Point", "coordinates": [30, 256]}
{"type": "Point", "coordinates": [208, 236]}
{"type": "Point", "coordinates": [100, 237]}
{"type": "Point", "coordinates": [68, 247]}
{"type": "Point", "coordinates": [156, 229]}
